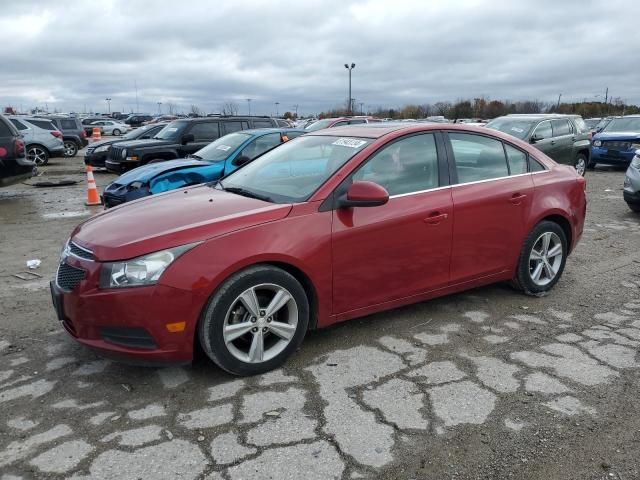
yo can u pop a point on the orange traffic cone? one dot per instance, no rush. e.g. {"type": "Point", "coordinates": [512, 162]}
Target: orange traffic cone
{"type": "Point", "coordinates": [92, 192]}
{"type": "Point", "coordinates": [96, 136]}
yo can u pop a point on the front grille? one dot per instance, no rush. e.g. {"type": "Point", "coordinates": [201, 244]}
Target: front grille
{"type": "Point", "coordinates": [69, 277]}
{"type": "Point", "coordinates": [616, 145]}
{"type": "Point", "coordinates": [128, 337]}
{"type": "Point", "coordinates": [115, 154]}
{"type": "Point", "coordinates": [78, 251]}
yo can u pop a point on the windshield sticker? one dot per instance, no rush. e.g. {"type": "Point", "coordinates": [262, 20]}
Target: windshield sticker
{"type": "Point", "coordinates": [223, 147]}
{"type": "Point", "coordinates": [172, 129]}
{"type": "Point", "coordinates": [349, 142]}
{"type": "Point", "coordinates": [516, 129]}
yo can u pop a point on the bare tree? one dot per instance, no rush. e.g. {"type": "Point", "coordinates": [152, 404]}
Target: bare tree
{"type": "Point", "coordinates": [196, 110]}
{"type": "Point", "coordinates": [229, 108]}
{"type": "Point", "coordinates": [172, 107]}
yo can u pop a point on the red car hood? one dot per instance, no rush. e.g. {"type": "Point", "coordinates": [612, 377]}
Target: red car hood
{"type": "Point", "coordinates": [169, 220]}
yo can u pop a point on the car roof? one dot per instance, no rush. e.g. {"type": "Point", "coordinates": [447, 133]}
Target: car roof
{"type": "Point", "coordinates": [378, 130]}
{"type": "Point", "coordinates": [541, 116]}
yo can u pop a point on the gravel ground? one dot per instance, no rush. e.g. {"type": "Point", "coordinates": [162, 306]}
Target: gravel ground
{"type": "Point", "coordinates": [488, 384]}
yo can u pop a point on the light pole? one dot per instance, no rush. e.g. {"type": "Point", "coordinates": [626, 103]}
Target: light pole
{"type": "Point", "coordinates": [249, 105]}
{"type": "Point", "coordinates": [108, 100]}
{"type": "Point", "coordinates": [349, 67]}
{"type": "Point", "coordinates": [277, 103]}
{"type": "Point", "coordinates": [295, 107]}
{"type": "Point", "coordinates": [159, 108]}
{"type": "Point", "coordinates": [361, 108]}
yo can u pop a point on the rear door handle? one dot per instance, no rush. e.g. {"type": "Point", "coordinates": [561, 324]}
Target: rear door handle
{"type": "Point", "coordinates": [436, 217]}
{"type": "Point", "coordinates": [517, 198]}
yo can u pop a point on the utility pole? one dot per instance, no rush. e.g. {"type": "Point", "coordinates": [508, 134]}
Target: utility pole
{"type": "Point", "coordinates": [361, 108]}
{"type": "Point", "coordinates": [277, 103]}
{"type": "Point", "coordinates": [559, 97]}
{"type": "Point", "coordinates": [606, 95]}
{"type": "Point", "coordinates": [249, 105]}
{"type": "Point", "coordinates": [295, 107]}
{"type": "Point", "coordinates": [108, 100]}
{"type": "Point", "coordinates": [349, 99]}
{"type": "Point", "coordinates": [160, 108]}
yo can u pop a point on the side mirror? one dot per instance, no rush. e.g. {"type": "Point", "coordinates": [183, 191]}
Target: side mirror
{"type": "Point", "coordinates": [536, 137]}
{"type": "Point", "coordinates": [364, 194]}
{"type": "Point", "coordinates": [240, 160]}
{"type": "Point", "coordinates": [188, 138]}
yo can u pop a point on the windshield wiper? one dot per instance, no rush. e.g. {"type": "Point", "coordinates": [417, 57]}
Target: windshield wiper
{"type": "Point", "coordinates": [193, 155]}
{"type": "Point", "coordinates": [247, 193]}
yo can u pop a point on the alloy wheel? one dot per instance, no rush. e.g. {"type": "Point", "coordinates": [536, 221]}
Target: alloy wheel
{"type": "Point", "coordinates": [37, 155]}
{"type": "Point", "coordinates": [581, 166]}
{"type": "Point", "coordinates": [260, 323]}
{"type": "Point", "coordinates": [70, 149]}
{"type": "Point", "coordinates": [545, 258]}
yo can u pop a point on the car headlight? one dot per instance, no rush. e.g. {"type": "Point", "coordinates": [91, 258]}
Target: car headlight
{"type": "Point", "coordinates": [103, 148]}
{"type": "Point", "coordinates": [124, 153]}
{"type": "Point", "coordinates": [141, 271]}
{"type": "Point", "coordinates": [597, 143]}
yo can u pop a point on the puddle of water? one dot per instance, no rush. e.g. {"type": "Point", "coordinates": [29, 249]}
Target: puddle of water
{"type": "Point", "coordinates": [70, 214]}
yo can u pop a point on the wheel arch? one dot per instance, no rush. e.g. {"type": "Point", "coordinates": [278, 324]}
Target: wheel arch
{"type": "Point", "coordinates": [563, 223]}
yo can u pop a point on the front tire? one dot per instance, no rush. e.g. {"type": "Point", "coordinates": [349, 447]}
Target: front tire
{"type": "Point", "coordinates": [542, 259]}
{"type": "Point", "coordinates": [582, 163]}
{"type": "Point", "coordinates": [116, 132]}
{"type": "Point", "coordinates": [255, 320]}
{"type": "Point", "coordinates": [37, 154]}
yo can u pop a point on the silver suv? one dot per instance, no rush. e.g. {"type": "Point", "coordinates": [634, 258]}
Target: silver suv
{"type": "Point", "coordinates": [41, 138]}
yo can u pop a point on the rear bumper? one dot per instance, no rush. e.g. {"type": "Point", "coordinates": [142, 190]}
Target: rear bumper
{"type": "Point", "coordinates": [632, 198]}
{"type": "Point", "coordinates": [56, 152]}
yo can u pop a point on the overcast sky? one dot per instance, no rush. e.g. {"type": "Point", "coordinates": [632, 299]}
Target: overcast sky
{"type": "Point", "coordinates": [72, 54]}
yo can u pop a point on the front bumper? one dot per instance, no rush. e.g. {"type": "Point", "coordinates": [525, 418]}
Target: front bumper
{"type": "Point", "coordinates": [115, 194]}
{"type": "Point", "coordinates": [96, 159]}
{"type": "Point", "coordinates": [129, 323]}
{"type": "Point", "coordinates": [611, 157]}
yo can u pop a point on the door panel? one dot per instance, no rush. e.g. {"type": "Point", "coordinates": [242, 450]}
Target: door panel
{"type": "Point", "coordinates": [392, 251]}
{"type": "Point", "coordinates": [489, 219]}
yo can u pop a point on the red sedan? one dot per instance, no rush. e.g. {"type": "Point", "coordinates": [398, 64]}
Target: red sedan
{"type": "Point", "coordinates": [330, 226]}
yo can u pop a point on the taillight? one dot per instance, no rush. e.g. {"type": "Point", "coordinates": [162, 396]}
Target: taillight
{"type": "Point", "coordinates": [56, 134]}
{"type": "Point", "coordinates": [583, 181]}
{"type": "Point", "coordinates": [83, 134]}
{"type": "Point", "coordinates": [590, 135]}
{"type": "Point", "coordinates": [18, 148]}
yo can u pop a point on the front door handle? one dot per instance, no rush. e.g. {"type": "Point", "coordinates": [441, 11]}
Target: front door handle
{"type": "Point", "coordinates": [517, 198]}
{"type": "Point", "coordinates": [436, 217]}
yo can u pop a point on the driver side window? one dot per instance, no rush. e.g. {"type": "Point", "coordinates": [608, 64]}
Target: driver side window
{"type": "Point", "coordinates": [260, 145]}
{"type": "Point", "coordinates": [406, 166]}
{"type": "Point", "coordinates": [543, 131]}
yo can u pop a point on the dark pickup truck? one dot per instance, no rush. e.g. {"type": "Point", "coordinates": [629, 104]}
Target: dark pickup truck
{"type": "Point", "coordinates": [179, 139]}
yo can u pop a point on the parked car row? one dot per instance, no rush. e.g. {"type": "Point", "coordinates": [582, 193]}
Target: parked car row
{"type": "Point", "coordinates": [14, 164]}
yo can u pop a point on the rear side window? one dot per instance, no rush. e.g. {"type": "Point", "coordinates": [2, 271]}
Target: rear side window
{"type": "Point", "coordinates": [262, 124]}
{"type": "Point", "coordinates": [340, 124]}
{"type": "Point", "coordinates": [205, 131]}
{"type": "Point", "coordinates": [68, 124]}
{"type": "Point", "coordinates": [46, 124]}
{"type": "Point", "coordinates": [535, 166]}
{"type": "Point", "coordinates": [354, 122]}
{"type": "Point", "coordinates": [580, 124]}
{"type": "Point", "coordinates": [478, 158]}
{"type": "Point", "coordinates": [5, 131]}
{"type": "Point", "coordinates": [231, 127]}
{"type": "Point", "coordinates": [560, 127]}
{"type": "Point", "coordinates": [517, 160]}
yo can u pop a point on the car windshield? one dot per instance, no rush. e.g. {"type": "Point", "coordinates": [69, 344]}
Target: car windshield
{"type": "Point", "coordinates": [293, 171]}
{"type": "Point", "coordinates": [518, 127]}
{"type": "Point", "coordinates": [134, 134]}
{"type": "Point", "coordinates": [171, 131]}
{"type": "Point", "coordinates": [629, 124]}
{"type": "Point", "coordinates": [319, 125]}
{"type": "Point", "coordinates": [222, 147]}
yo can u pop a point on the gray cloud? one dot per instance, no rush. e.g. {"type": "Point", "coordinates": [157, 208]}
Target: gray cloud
{"type": "Point", "coordinates": [203, 53]}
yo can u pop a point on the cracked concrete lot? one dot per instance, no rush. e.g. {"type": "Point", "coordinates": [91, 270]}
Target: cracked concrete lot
{"type": "Point", "coordinates": [488, 384]}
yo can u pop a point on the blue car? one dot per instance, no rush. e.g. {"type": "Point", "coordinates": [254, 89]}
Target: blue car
{"type": "Point", "coordinates": [617, 143]}
{"type": "Point", "coordinates": [210, 163]}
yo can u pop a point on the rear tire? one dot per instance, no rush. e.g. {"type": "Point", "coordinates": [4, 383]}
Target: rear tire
{"type": "Point", "coordinates": [581, 164]}
{"type": "Point", "coordinates": [116, 132]}
{"type": "Point", "coordinates": [542, 259]}
{"type": "Point", "coordinates": [70, 148]}
{"type": "Point", "coordinates": [238, 331]}
{"type": "Point", "coordinates": [634, 208]}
